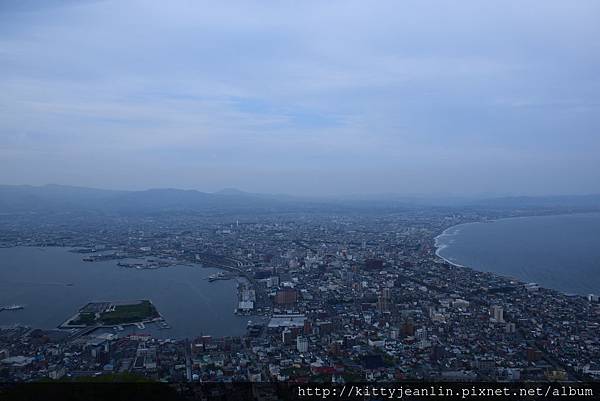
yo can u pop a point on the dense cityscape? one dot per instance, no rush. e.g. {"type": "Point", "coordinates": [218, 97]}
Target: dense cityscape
{"type": "Point", "coordinates": [299, 200]}
{"type": "Point", "coordinates": [330, 298]}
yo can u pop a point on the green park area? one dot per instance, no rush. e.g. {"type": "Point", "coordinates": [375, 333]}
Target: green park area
{"type": "Point", "coordinates": [130, 313]}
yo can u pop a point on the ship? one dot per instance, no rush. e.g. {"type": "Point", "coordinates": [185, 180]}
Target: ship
{"type": "Point", "coordinates": [215, 277]}
{"type": "Point", "coordinates": [12, 307]}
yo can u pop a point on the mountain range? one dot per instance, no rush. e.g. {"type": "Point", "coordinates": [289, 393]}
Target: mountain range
{"type": "Point", "coordinates": [60, 198]}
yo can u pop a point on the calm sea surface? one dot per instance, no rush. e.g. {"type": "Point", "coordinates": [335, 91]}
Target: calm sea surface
{"type": "Point", "coordinates": [558, 252]}
{"type": "Point", "coordinates": [38, 278]}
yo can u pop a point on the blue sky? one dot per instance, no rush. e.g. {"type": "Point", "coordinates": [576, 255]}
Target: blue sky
{"type": "Point", "coordinates": [308, 98]}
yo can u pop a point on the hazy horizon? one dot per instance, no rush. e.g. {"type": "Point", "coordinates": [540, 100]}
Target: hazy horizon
{"type": "Point", "coordinates": [306, 99]}
{"type": "Point", "coordinates": [324, 196]}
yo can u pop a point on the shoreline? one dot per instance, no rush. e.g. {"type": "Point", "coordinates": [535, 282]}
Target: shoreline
{"type": "Point", "coordinates": [439, 247]}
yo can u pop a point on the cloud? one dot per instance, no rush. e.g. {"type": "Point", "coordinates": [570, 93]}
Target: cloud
{"type": "Point", "coordinates": [251, 93]}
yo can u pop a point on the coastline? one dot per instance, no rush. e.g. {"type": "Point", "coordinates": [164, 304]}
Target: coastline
{"type": "Point", "coordinates": [440, 247]}
{"type": "Point", "coordinates": [443, 240]}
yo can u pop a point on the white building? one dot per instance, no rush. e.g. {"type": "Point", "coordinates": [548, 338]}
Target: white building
{"type": "Point", "coordinates": [302, 344]}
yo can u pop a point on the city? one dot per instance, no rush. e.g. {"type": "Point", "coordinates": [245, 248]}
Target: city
{"type": "Point", "coordinates": [329, 298]}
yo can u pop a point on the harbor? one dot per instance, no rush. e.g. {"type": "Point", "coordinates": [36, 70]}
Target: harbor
{"type": "Point", "coordinates": [64, 283]}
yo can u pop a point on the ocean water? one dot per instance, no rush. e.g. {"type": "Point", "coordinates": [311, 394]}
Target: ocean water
{"type": "Point", "coordinates": [559, 252]}
{"type": "Point", "coordinates": [38, 278]}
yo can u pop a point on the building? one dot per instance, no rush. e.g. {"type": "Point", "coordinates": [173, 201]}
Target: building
{"type": "Point", "coordinates": [302, 344]}
{"type": "Point", "coordinates": [497, 313]}
{"type": "Point", "coordinates": [383, 301]}
{"type": "Point", "coordinates": [245, 306]}
{"type": "Point", "coordinates": [283, 321]}
{"type": "Point", "coordinates": [286, 296]}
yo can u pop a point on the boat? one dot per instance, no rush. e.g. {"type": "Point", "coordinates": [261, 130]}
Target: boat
{"type": "Point", "coordinates": [12, 307]}
{"type": "Point", "coordinates": [217, 276]}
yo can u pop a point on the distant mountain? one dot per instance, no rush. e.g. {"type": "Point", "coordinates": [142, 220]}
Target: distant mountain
{"type": "Point", "coordinates": [559, 201]}
{"type": "Point", "coordinates": [164, 200]}
{"type": "Point", "coordinates": [26, 198]}
{"type": "Point", "coordinates": [409, 200]}
{"type": "Point", "coordinates": [60, 198]}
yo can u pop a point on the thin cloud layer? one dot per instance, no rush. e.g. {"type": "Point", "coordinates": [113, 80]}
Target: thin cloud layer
{"type": "Point", "coordinates": [308, 98]}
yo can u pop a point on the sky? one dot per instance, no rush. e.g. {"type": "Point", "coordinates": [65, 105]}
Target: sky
{"type": "Point", "coordinates": [303, 97]}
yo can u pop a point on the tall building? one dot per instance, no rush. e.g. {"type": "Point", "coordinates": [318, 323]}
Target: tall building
{"type": "Point", "coordinates": [497, 313]}
{"type": "Point", "coordinates": [383, 301]}
{"type": "Point", "coordinates": [302, 344]}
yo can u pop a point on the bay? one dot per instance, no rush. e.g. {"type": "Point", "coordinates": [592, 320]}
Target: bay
{"type": "Point", "coordinates": [54, 283]}
{"type": "Point", "coordinates": [560, 252]}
